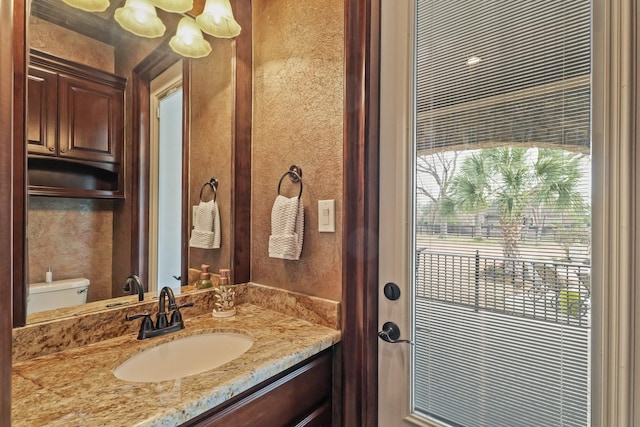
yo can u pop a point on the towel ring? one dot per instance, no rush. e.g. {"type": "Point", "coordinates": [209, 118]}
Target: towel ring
{"type": "Point", "coordinates": [213, 183]}
{"type": "Point", "coordinates": [295, 175]}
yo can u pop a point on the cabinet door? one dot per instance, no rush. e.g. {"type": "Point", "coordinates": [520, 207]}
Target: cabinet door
{"type": "Point", "coordinates": [91, 120]}
{"type": "Point", "coordinates": [300, 397]}
{"type": "Point", "coordinates": [41, 111]}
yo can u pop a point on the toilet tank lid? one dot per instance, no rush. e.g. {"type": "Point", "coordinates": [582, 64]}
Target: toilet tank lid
{"type": "Point", "coordinates": [36, 288]}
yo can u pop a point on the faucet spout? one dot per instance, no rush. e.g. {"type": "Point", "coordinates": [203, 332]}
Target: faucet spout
{"type": "Point", "coordinates": [132, 282]}
{"type": "Point", "coordinates": [166, 292]}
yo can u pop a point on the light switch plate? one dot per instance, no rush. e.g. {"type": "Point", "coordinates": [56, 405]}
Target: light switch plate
{"type": "Point", "coordinates": [327, 216]}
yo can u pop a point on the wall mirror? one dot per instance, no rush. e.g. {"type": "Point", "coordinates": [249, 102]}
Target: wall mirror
{"type": "Point", "coordinates": [105, 238]}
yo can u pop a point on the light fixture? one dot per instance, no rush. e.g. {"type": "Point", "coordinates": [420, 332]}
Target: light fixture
{"type": "Point", "coordinates": [217, 19]}
{"type": "Point", "coordinates": [89, 5]}
{"type": "Point", "coordinates": [188, 40]}
{"type": "Point", "coordinates": [176, 6]}
{"type": "Point", "coordinates": [473, 60]}
{"type": "Point", "coordinates": [140, 18]}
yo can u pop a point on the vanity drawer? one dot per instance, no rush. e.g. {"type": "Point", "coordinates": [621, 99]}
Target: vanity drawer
{"type": "Point", "coordinates": [300, 396]}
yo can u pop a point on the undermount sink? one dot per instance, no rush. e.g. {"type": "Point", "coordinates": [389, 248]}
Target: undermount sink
{"type": "Point", "coordinates": [183, 357]}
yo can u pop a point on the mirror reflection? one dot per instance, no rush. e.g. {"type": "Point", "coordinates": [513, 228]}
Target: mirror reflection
{"type": "Point", "coordinates": [106, 200]}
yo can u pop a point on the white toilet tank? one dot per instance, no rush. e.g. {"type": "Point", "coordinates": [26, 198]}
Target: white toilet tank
{"type": "Point", "coordinates": [57, 294]}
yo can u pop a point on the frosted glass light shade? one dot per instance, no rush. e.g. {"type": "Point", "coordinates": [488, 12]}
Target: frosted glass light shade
{"type": "Point", "coordinates": [89, 5]}
{"type": "Point", "coordinates": [140, 18]}
{"type": "Point", "coordinates": [217, 19]}
{"type": "Point", "coordinates": [188, 40]}
{"type": "Point", "coordinates": [177, 6]}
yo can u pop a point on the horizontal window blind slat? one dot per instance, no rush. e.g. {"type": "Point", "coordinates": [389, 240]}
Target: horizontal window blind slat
{"type": "Point", "coordinates": [503, 341]}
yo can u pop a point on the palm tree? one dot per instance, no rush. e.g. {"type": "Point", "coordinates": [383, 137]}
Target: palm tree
{"type": "Point", "coordinates": [514, 181]}
{"type": "Point", "coordinates": [557, 175]}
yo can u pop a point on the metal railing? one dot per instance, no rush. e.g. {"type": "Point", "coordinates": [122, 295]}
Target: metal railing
{"type": "Point", "coordinates": [494, 231]}
{"type": "Point", "coordinates": [558, 292]}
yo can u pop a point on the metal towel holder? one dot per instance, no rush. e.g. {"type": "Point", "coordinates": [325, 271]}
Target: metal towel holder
{"type": "Point", "coordinates": [295, 175]}
{"type": "Point", "coordinates": [213, 183]}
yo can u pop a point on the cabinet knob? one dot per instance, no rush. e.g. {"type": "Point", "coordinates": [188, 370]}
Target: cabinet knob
{"type": "Point", "coordinates": [63, 150]}
{"type": "Point", "coordinates": [51, 148]}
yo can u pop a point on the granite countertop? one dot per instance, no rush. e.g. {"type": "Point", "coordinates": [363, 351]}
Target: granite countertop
{"type": "Point", "coordinates": [77, 386]}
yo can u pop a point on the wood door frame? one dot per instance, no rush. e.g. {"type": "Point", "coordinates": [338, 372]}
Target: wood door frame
{"type": "Point", "coordinates": [9, 51]}
{"type": "Point", "coordinates": [360, 236]}
{"type": "Point", "coordinates": [18, 175]}
{"type": "Point", "coordinates": [148, 69]}
{"type": "Point", "coordinates": [242, 70]}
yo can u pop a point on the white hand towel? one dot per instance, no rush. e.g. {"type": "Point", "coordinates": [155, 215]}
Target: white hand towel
{"type": "Point", "coordinates": [287, 228]}
{"type": "Point", "coordinates": [206, 227]}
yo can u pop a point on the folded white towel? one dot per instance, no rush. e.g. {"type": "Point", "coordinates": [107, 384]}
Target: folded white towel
{"type": "Point", "coordinates": [287, 228]}
{"type": "Point", "coordinates": [206, 227]}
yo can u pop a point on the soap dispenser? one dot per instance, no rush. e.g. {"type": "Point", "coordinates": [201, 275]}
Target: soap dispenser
{"type": "Point", "coordinates": [225, 296]}
{"type": "Point", "coordinates": [205, 278]}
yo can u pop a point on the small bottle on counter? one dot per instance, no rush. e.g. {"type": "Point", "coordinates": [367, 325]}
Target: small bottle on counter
{"type": "Point", "coordinates": [225, 305]}
{"type": "Point", "coordinates": [205, 278]}
{"type": "Point", "coordinates": [48, 276]}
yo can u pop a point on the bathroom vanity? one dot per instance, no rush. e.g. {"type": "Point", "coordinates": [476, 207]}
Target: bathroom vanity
{"type": "Point", "coordinates": [285, 378]}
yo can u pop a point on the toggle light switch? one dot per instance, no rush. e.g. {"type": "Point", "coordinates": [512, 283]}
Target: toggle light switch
{"type": "Point", "coordinates": [327, 216]}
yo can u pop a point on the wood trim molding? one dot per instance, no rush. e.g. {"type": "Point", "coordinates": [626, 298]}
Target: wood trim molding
{"type": "Point", "coordinates": [12, 22]}
{"type": "Point", "coordinates": [6, 225]}
{"type": "Point", "coordinates": [186, 144]}
{"type": "Point", "coordinates": [87, 24]}
{"type": "Point", "coordinates": [18, 175]}
{"type": "Point", "coordinates": [360, 237]}
{"type": "Point", "coordinates": [615, 177]}
{"type": "Point", "coordinates": [148, 69]}
{"type": "Point", "coordinates": [241, 157]}
{"type": "Point", "coordinates": [636, 215]}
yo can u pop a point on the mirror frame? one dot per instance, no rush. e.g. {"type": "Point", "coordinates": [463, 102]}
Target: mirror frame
{"type": "Point", "coordinates": [240, 221]}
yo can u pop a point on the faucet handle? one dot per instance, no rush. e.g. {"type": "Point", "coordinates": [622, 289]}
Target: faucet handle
{"type": "Point", "coordinates": [145, 326]}
{"type": "Point", "coordinates": [176, 317]}
{"type": "Point", "coordinates": [146, 315]}
{"type": "Point", "coordinates": [188, 304]}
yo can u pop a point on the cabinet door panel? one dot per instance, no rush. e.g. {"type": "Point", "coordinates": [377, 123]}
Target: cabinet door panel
{"type": "Point", "coordinates": [90, 117]}
{"type": "Point", "coordinates": [41, 113]}
{"type": "Point", "coordinates": [299, 397]}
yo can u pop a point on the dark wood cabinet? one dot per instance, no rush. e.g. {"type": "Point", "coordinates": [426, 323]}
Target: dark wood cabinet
{"type": "Point", "coordinates": [42, 111]}
{"type": "Point", "coordinates": [90, 118]}
{"type": "Point", "coordinates": [300, 396]}
{"type": "Point", "coordinates": [75, 129]}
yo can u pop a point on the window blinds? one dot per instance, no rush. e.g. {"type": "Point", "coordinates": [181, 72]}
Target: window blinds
{"type": "Point", "coordinates": [532, 81]}
{"type": "Point", "coordinates": [502, 273]}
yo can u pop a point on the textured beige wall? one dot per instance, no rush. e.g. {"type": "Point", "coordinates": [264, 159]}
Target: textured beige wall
{"type": "Point", "coordinates": [73, 237]}
{"type": "Point", "coordinates": [212, 95]}
{"type": "Point", "coordinates": [298, 114]}
{"type": "Point", "coordinates": [69, 45]}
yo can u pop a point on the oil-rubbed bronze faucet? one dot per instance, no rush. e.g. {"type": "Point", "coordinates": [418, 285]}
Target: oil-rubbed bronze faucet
{"type": "Point", "coordinates": [162, 326]}
{"type": "Point", "coordinates": [137, 283]}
